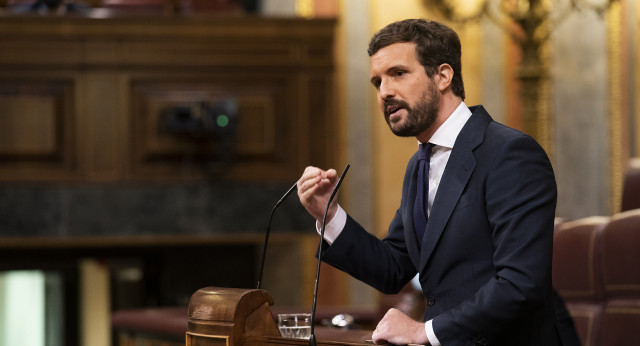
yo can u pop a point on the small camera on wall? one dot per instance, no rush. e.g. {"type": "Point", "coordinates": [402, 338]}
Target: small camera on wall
{"type": "Point", "coordinates": [202, 119]}
{"type": "Point", "coordinates": [212, 123]}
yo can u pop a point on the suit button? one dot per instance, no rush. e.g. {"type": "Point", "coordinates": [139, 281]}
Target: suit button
{"type": "Point", "coordinates": [431, 301]}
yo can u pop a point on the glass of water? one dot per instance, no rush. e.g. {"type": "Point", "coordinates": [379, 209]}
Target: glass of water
{"type": "Point", "coordinates": [297, 326]}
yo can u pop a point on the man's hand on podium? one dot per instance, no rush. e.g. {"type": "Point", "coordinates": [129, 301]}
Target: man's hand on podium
{"type": "Point", "coordinates": [399, 329]}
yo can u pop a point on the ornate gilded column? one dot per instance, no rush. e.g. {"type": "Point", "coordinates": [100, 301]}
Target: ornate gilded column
{"type": "Point", "coordinates": [534, 22]}
{"type": "Point", "coordinates": [618, 153]}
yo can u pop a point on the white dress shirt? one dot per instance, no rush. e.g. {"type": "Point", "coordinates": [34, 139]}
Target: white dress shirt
{"type": "Point", "coordinates": [443, 140]}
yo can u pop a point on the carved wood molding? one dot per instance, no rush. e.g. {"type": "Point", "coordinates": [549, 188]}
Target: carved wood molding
{"type": "Point", "coordinates": [110, 79]}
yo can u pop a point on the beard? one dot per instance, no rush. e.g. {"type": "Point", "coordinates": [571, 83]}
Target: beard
{"type": "Point", "coordinates": [419, 117]}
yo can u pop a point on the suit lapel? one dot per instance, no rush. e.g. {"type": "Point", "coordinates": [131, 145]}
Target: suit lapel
{"type": "Point", "coordinates": [454, 179]}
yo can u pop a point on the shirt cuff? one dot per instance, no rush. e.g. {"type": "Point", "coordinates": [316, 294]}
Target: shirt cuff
{"type": "Point", "coordinates": [433, 340]}
{"type": "Point", "coordinates": [333, 228]}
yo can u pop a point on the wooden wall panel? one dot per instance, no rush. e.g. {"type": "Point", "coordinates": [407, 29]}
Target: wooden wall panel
{"type": "Point", "coordinates": [323, 136]}
{"type": "Point", "coordinates": [103, 84]}
{"type": "Point", "coordinates": [28, 125]}
{"type": "Point", "coordinates": [36, 128]}
{"type": "Point", "coordinates": [265, 144]}
{"type": "Point", "coordinates": [43, 53]}
{"type": "Point", "coordinates": [208, 53]}
{"type": "Point", "coordinates": [100, 123]}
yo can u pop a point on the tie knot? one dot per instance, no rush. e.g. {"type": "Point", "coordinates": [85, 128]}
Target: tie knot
{"type": "Point", "coordinates": [425, 151]}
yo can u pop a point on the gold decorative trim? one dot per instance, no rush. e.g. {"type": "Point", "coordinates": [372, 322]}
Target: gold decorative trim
{"type": "Point", "coordinates": [544, 129]}
{"type": "Point", "coordinates": [543, 122]}
{"type": "Point", "coordinates": [616, 139]}
{"type": "Point", "coordinates": [304, 8]}
{"type": "Point", "coordinates": [635, 34]}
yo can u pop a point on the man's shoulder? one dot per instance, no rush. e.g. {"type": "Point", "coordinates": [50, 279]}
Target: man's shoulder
{"type": "Point", "coordinates": [492, 135]}
{"type": "Point", "coordinates": [479, 115]}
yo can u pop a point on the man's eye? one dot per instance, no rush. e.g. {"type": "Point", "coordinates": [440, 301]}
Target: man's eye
{"type": "Point", "coordinates": [400, 73]}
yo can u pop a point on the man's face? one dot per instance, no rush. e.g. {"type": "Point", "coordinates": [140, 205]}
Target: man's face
{"type": "Point", "coordinates": [407, 97]}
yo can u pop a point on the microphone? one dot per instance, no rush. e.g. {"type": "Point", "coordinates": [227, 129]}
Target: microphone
{"type": "Point", "coordinates": [266, 236]}
{"type": "Point", "coordinates": [312, 337]}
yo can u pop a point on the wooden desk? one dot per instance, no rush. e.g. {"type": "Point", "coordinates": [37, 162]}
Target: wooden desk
{"type": "Point", "coordinates": [234, 317]}
{"type": "Point", "coordinates": [167, 327]}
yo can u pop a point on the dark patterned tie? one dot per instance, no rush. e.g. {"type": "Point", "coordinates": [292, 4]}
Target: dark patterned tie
{"type": "Point", "coordinates": [420, 215]}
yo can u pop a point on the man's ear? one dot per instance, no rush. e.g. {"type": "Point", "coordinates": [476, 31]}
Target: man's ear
{"type": "Point", "coordinates": [445, 76]}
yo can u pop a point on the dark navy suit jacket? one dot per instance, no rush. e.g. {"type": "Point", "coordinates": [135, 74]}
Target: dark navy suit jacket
{"type": "Point", "coordinates": [485, 262]}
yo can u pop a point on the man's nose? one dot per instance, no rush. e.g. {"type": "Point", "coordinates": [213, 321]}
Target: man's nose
{"type": "Point", "coordinates": [386, 90]}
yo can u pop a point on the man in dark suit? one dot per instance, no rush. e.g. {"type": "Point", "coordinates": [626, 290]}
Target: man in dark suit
{"type": "Point", "coordinates": [475, 221]}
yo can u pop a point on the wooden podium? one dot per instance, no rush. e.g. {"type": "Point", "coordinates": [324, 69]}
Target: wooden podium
{"type": "Point", "coordinates": [232, 317]}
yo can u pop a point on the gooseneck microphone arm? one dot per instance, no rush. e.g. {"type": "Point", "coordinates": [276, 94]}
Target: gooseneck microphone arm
{"type": "Point", "coordinates": [266, 236]}
{"type": "Point", "coordinates": [312, 338]}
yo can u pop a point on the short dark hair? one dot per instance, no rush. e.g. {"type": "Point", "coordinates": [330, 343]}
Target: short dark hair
{"type": "Point", "coordinates": [436, 44]}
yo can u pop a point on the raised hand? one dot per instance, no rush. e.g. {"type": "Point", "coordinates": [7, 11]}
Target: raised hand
{"type": "Point", "coordinates": [314, 189]}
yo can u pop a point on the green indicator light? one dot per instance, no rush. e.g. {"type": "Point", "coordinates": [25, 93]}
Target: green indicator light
{"type": "Point", "coordinates": [222, 120]}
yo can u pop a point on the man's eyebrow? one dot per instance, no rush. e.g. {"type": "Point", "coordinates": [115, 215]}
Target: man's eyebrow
{"type": "Point", "coordinates": [387, 71]}
{"type": "Point", "coordinates": [396, 67]}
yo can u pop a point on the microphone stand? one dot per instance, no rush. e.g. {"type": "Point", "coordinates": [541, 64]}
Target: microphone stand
{"type": "Point", "coordinates": [266, 236]}
{"type": "Point", "coordinates": [312, 337]}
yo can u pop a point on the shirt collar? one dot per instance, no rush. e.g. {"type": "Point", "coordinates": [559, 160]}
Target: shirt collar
{"type": "Point", "coordinates": [447, 133]}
